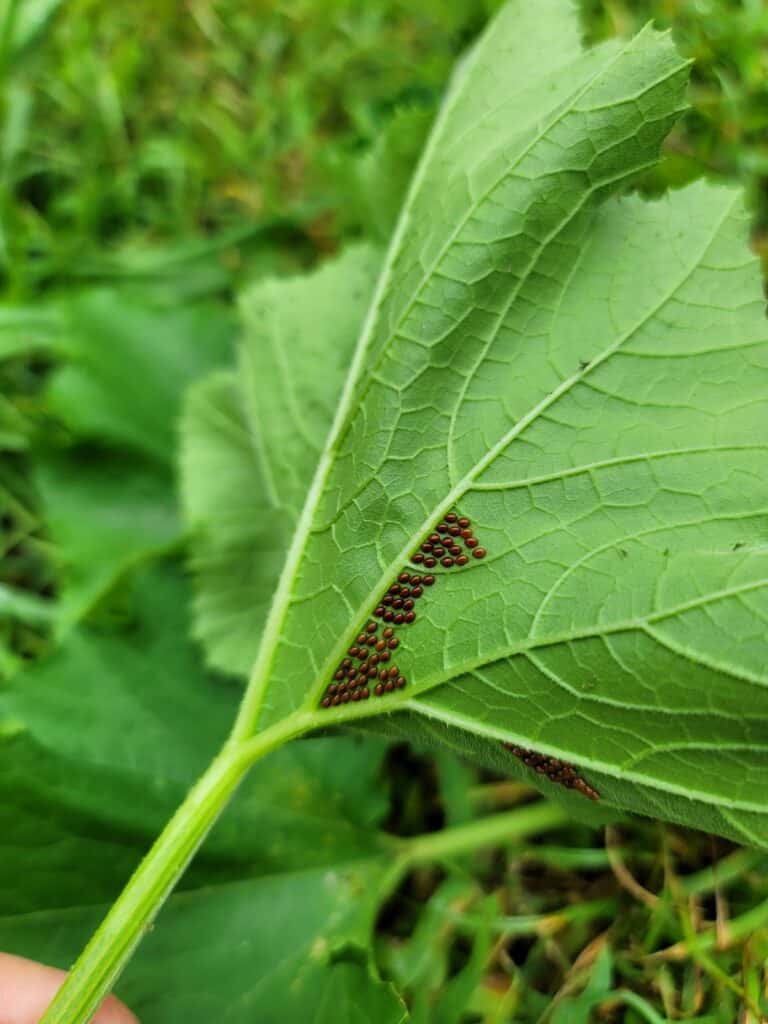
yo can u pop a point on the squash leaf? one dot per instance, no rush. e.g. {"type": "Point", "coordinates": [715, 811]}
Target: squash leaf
{"type": "Point", "coordinates": [583, 375]}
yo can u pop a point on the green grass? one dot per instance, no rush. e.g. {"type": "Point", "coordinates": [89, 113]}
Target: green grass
{"type": "Point", "coordinates": [553, 930]}
{"type": "Point", "coordinates": [157, 122]}
{"type": "Point", "coordinates": [160, 121]}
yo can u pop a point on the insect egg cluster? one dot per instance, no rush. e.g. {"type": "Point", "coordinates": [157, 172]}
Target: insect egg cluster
{"type": "Point", "coordinates": [366, 670]}
{"type": "Point", "coordinates": [451, 544]}
{"type": "Point", "coordinates": [560, 772]}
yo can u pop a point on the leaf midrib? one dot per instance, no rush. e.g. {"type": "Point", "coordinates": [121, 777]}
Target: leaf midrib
{"type": "Point", "coordinates": [260, 676]}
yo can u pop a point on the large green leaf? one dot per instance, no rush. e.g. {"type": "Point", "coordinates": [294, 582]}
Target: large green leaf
{"type": "Point", "coordinates": [297, 345]}
{"type": "Point", "coordinates": [284, 947]}
{"type": "Point", "coordinates": [109, 499]}
{"type": "Point", "coordinates": [586, 378]}
{"type": "Point", "coordinates": [24, 330]}
{"type": "Point", "coordinates": [117, 723]}
{"type": "Point", "coordinates": [105, 514]}
{"type": "Point", "coordinates": [127, 364]}
{"type": "Point", "coordinates": [98, 744]}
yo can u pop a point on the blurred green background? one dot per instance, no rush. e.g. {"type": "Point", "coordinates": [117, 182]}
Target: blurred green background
{"type": "Point", "coordinates": [166, 153]}
{"type": "Point", "coordinates": [165, 122]}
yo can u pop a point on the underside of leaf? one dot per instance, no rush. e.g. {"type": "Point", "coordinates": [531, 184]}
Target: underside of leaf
{"type": "Point", "coordinates": [583, 376]}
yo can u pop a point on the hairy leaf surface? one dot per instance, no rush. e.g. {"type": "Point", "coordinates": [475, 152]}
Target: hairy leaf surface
{"type": "Point", "coordinates": [584, 376]}
{"type": "Point", "coordinates": [248, 452]}
{"type": "Point", "coordinates": [238, 543]}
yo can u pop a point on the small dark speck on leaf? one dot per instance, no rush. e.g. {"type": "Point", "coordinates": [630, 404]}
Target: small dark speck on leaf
{"type": "Point", "coordinates": [738, 544]}
{"type": "Point", "coordinates": [623, 552]}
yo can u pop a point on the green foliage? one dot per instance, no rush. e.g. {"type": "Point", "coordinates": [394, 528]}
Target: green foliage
{"type": "Point", "coordinates": [132, 518]}
{"type": "Point", "coordinates": [97, 746]}
{"type": "Point", "coordinates": [200, 963]}
{"type": "Point", "coordinates": [224, 500]}
{"type": "Point", "coordinates": [162, 120]}
{"type": "Point", "coordinates": [127, 363]}
{"type": "Point", "coordinates": [628, 511]}
{"type": "Point", "coordinates": [167, 120]}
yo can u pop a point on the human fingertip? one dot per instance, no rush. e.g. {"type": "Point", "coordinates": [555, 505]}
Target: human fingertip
{"type": "Point", "coordinates": [112, 1011]}
{"type": "Point", "coordinates": [28, 987]}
